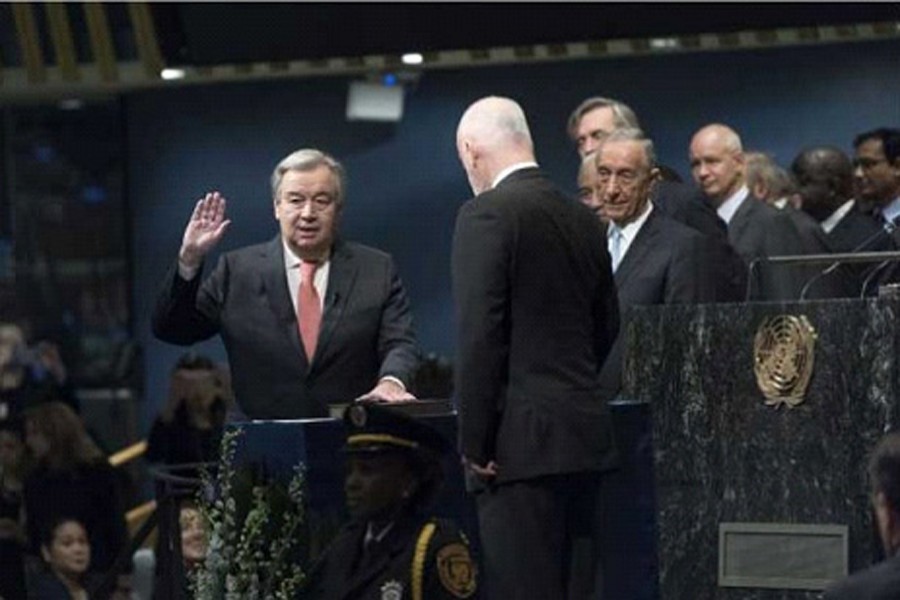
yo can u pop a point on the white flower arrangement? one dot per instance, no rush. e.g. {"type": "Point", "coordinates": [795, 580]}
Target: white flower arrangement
{"type": "Point", "coordinates": [253, 542]}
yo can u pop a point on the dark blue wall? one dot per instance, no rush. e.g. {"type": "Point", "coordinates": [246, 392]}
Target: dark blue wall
{"type": "Point", "coordinates": [405, 182]}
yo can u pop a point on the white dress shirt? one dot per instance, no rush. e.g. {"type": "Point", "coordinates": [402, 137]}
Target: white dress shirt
{"type": "Point", "coordinates": [628, 233]}
{"type": "Point", "coordinates": [831, 222]}
{"type": "Point", "coordinates": [510, 170]}
{"type": "Point", "coordinates": [727, 209]}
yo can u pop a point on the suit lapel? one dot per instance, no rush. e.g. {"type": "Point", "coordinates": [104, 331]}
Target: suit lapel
{"type": "Point", "coordinates": [642, 243]}
{"type": "Point", "coordinates": [275, 290]}
{"type": "Point", "coordinates": [341, 277]}
{"type": "Point", "coordinates": [739, 221]}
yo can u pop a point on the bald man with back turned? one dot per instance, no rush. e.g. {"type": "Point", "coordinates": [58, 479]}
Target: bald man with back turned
{"type": "Point", "coordinates": [537, 314]}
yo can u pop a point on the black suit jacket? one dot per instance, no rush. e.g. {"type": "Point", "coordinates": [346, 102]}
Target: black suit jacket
{"type": "Point", "coordinates": [857, 229]}
{"type": "Point", "coordinates": [667, 263]}
{"type": "Point", "coordinates": [687, 205]}
{"type": "Point", "coordinates": [537, 315]}
{"type": "Point", "coordinates": [366, 331]}
{"type": "Point", "coordinates": [880, 582]}
{"type": "Point", "coordinates": [345, 573]}
{"type": "Point", "coordinates": [758, 230]}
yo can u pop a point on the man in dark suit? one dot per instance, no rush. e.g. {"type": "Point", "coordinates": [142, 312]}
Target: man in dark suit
{"type": "Point", "coordinates": [392, 548]}
{"type": "Point", "coordinates": [882, 581]}
{"type": "Point", "coordinates": [824, 177]}
{"type": "Point", "coordinates": [755, 229]}
{"type": "Point", "coordinates": [307, 318]}
{"type": "Point", "coordinates": [655, 259]}
{"type": "Point", "coordinates": [596, 118]}
{"type": "Point", "coordinates": [537, 315]}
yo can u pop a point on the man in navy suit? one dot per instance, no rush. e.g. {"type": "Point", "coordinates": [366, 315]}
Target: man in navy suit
{"type": "Point", "coordinates": [655, 259]}
{"type": "Point", "coordinates": [593, 120]}
{"type": "Point", "coordinates": [537, 315]}
{"type": "Point", "coordinates": [307, 319]}
{"type": "Point", "coordinates": [882, 581]}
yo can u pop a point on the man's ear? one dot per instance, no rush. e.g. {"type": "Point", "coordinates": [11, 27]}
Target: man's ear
{"type": "Point", "coordinates": [45, 553]}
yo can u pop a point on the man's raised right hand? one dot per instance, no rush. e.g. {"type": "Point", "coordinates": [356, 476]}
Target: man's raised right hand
{"type": "Point", "coordinates": [204, 230]}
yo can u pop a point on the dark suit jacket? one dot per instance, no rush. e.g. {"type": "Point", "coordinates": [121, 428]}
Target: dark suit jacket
{"type": "Point", "coordinates": [345, 573]}
{"type": "Point", "coordinates": [537, 315]}
{"type": "Point", "coordinates": [880, 582]}
{"type": "Point", "coordinates": [858, 228]}
{"type": "Point", "coordinates": [687, 205]}
{"type": "Point", "coordinates": [666, 263]}
{"type": "Point", "coordinates": [758, 230]}
{"type": "Point", "coordinates": [366, 328]}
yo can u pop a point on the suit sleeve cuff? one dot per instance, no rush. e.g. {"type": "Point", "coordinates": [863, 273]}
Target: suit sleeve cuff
{"type": "Point", "coordinates": [395, 380]}
{"type": "Point", "coordinates": [185, 272]}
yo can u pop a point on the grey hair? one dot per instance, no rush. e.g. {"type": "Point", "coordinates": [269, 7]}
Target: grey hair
{"type": "Point", "coordinates": [631, 134]}
{"type": "Point", "coordinates": [308, 159]}
{"type": "Point", "coordinates": [761, 168]}
{"type": "Point", "coordinates": [625, 118]}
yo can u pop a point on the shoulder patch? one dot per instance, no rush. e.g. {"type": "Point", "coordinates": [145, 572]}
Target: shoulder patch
{"type": "Point", "coordinates": [456, 570]}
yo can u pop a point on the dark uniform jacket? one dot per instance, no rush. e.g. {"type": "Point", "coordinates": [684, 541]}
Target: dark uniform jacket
{"type": "Point", "coordinates": [419, 559]}
{"type": "Point", "coordinates": [366, 334]}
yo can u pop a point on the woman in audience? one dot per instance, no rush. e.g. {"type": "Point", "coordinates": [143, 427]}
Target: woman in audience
{"type": "Point", "coordinates": [71, 477]}
{"type": "Point", "coordinates": [189, 428]}
{"type": "Point", "coordinates": [12, 537]}
{"type": "Point", "coordinates": [67, 555]}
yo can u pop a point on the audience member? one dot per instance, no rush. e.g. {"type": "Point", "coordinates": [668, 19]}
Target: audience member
{"type": "Point", "coordinates": [597, 117]}
{"type": "Point", "coordinates": [189, 428]}
{"type": "Point", "coordinates": [392, 548]}
{"type": "Point", "coordinates": [655, 259]}
{"type": "Point", "coordinates": [13, 464]}
{"type": "Point", "coordinates": [882, 581]}
{"type": "Point", "coordinates": [71, 477]}
{"type": "Point", "coordinates": [768, 182]}
{"type": "Point", "coordinates": [307, 319]}
{"type": "Point", "coordinates": [194, 542]}
{"type": "Point", "coordinates": [29, 377]}
{"type": "Point", "coordinates": [66, 551]}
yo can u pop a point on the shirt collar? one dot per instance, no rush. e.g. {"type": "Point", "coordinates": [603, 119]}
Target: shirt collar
{"type": "Point", "coordinates": [727, 209]}
{"type": "Point", "coordinates": [512, 169]}
{"type": "Point", "coordinates": [891, 211]}
{"type": "Point", "coordinates": [831, 222]}
{"type": "Point", "coordinates": [292, 261]}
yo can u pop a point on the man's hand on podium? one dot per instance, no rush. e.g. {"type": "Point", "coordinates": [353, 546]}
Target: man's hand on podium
{"type": "Point", "coordinates": [387, 390]}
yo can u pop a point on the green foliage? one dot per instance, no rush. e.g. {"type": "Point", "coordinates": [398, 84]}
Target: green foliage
{"type": "Point", "coordinates": [254, 530]}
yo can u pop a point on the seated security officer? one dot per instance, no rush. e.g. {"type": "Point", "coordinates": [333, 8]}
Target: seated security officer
{"type": "Point", "coordinates": [391, 550]}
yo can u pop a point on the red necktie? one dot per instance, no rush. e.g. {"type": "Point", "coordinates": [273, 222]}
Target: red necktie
{"type": "Point", "coordinates": [309, 310]}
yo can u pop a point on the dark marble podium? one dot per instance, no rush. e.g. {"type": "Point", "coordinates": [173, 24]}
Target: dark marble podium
{"type": "Point", "coordinates": [721, 455]}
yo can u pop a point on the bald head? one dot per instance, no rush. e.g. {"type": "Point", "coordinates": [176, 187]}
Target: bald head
{"type": "Point", "coordinates": [824, 177]}
{"type": "Point", "coordinates": [492, 135]}
{"type": "Point", "coordinates": [717, 161]}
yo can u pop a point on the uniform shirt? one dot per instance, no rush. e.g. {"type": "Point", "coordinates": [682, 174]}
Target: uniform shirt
{"type": "Point", "coordinates": [388, 569]}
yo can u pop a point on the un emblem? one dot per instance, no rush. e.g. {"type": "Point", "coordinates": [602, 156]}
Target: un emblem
{"type": "Point", "coordinates": [784, 353]}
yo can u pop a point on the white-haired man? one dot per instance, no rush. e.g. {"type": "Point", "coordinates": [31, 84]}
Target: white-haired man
{"type": "Point", "coordinates": [537, 315]}
{"type": "Point", "coordinates": [307, 319]}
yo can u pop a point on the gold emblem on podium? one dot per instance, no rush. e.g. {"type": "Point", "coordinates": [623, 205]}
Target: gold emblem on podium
{"type": "Point", "coordinates": [783, 357]}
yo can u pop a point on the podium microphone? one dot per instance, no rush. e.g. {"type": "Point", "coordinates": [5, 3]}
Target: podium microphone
{"type": "Point", "coordinates": [886, 229]}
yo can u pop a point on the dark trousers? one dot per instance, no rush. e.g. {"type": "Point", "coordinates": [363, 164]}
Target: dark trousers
{"type": "Point", "coordinates": [539, 538]}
